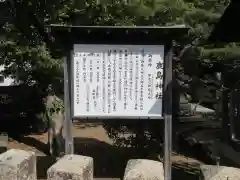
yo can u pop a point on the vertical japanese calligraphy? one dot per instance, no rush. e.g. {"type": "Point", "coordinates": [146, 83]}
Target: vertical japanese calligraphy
{"type": "Point", "coordinates": [84, 68]}
{"type": "Point", "coordinates": [159, 82]}
{"type": "Point", "coordinates": [77, 76]}
{"type": "Point", "coordinates": [109, 83]}
{"type": "Point", "coordinates": [131, 76]}
{"type": "Point", "coordinates": [114, 89]}
{"type": "Point", "coordinates": [142, 79]}
{"type": "Point", "coordinates": [150, 77]}
{"type": "Point", "coordinates": [136, 81]}
{"type": "Point", "coordinates": [120, 60]}
{"type": "Point", "coordinates": [104, 80]}
{"type": "Point", "coordinates": [118, 80]}
{"type": "Point", "coordinates": [97, 85]}
{"type": "Point", "coordinates": [125, 77]}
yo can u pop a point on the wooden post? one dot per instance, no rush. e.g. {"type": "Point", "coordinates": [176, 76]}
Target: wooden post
{"type": "Point", "coordinates": [167, 110]}
{"type": "Point", "coordinates": [109, 35]}
{"type": "Point", "coordinates": [69, 149]}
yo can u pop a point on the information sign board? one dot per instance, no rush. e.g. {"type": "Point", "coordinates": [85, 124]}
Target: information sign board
{"type": "Point", "coordinates": [124, 81]}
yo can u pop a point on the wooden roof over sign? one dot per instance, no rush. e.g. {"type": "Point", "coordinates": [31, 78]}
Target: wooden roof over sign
{"type": "Point", "coordinates": [228, 27]}
{"type": "Point", "coordinates": [120, 34]}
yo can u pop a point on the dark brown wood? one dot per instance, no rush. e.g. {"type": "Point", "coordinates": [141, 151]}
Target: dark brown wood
{"type": "Point", "coordinates": [167, 110]}
{"type": "Point", "coordinates": [69, 35]}
{"type": "Point", "coordinates": [143, 35]}
{"type": "Point", "coordinates": [69, 147]}
{"type": "Point", "coordinates": [168, 83]}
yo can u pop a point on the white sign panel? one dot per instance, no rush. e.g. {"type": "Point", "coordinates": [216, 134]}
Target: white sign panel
{"type": "Point", "coordinates": [122, 81]}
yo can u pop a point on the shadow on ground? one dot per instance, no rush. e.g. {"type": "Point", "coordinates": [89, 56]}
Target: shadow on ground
{"type": "Point", "coordinates": [43, 161]}
{"type": "Point", "coordinates": [186, 171]}
{"type": "Point", "coordinates": [41, 147]}
{"type": "Point", "coordinates": [109, 161]}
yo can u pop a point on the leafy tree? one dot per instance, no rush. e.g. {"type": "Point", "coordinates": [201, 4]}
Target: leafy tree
{"type": "Point", "coordinates": [30, 55]}
{"type": "Point", "coordinates": [195, 64]}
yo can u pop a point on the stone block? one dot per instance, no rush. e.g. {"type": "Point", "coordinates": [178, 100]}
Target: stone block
{"type": "Point", "coordinates": [210, 172]}
{"type": "Point", "coordinates": [143, 169]}
{"type": "Point", "coordinates": [17, 164]}
{"type": "Point", "coordinates": [3, 143]}
{"type": "Point", "coordinates": [72, 167]}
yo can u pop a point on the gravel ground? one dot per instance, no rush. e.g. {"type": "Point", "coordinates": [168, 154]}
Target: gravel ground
{"type": "Point", "coordinates": [109, 161]}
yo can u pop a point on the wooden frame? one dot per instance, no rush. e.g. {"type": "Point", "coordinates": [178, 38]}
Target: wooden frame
{"type": "Point", "coordinates": [69, 35]}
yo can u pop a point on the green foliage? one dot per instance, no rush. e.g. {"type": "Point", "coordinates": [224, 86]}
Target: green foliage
{"type": "Point", "coordinates": [29, 56]}
{"type": "Point", "coordinates": [55, 108]}
{"type": "Point", "coordinates": [26, 56]}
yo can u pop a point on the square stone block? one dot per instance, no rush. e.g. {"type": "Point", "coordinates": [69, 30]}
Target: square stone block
{"type": "Point", "coordinates": [143, 169]}
{"type": "Point", "coordinates": [210, 172]}
{"type": "Point", "coordinates": [72, 167]}
{"type": "Point", "coordinates": [17, 164]}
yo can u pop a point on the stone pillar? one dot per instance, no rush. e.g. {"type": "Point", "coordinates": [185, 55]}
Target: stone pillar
{"type": "Point", "coordinates": [72, 167]}
{"type": "Point", "coordinates": [143, 169]}
{"type": "Point", "coordinates": [209, 172]}
{"type": "Point", "coordinates": [18, 164]}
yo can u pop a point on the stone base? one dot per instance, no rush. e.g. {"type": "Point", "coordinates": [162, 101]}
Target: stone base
{"type": "Point", "coordinates": [18, 165]}
{"type": "Point", "coordinates": [143, 169]}
{"type": "Point", "coordinates": [72, 167]}
{"type": "Point", "coordinates": [210, 172]}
